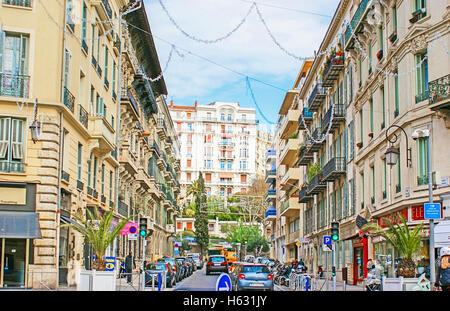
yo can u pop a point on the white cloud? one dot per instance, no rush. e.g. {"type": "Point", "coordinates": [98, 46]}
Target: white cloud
{"type": "Point", "coordinates": [250, 50]}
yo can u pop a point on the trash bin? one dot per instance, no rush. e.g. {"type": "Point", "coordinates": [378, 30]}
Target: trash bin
{"type": "Point", "coordinates": [344, 274]}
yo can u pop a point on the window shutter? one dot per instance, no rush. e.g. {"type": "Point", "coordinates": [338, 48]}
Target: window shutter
{"type": "Point", "coordinates": [4, 137]}
{"type": "Point", "coordinates": [17, 139]}
{"type": "Point", "coordinates": [2, 43]}
{"type": "Point", "coordinates": [24, 55]}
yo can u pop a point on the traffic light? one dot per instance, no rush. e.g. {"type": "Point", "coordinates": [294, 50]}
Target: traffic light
{"type": "Point", "coordinates": [333, 271]}
{"type": "Point", "coordinates": [142, 226]}
{"type": "Point", "coordinates": [335, 231]}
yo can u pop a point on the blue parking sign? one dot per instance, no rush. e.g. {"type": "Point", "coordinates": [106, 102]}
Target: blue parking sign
{"type": "Point", "coordinates": [326, 240]}
{"type": "Point", "coordinates": [432, 211]}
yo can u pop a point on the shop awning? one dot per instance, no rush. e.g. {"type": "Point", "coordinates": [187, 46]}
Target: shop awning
{"type": "Point", "coordinates": [226, 175]}
{"type": "Point", "coordinates": [21, 225]}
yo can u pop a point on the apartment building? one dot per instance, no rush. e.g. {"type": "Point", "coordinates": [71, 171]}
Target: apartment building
{"type": "Point", "coordinates": [60, 128]}
{"type": "Point", "coordinates": [381, 63]}
{"type": "Point", "coordinates": [263, 142]}
{"type": "Point", "coordinates": [219, 140]}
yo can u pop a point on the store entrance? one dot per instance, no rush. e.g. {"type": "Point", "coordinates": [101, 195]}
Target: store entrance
{"type": "Point", "coordinates": [13, 254]}
{"type": "Point", "coordinates": [358, 265]}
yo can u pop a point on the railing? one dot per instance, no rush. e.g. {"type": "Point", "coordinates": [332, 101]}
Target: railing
{"type": "Point", "coordinates": [318, 90]}
{"type": "Point", "coordinates": [14, 85]}
{"type": "Point", "coordinates": [83, 116]}
{"type": "Point", "coordinates": [84, 45]}
{"type": "Point", "coordinates": [338, 111]}
{"type": "Point", "coordinates": [335, 165]}
{"type": "Point", "coordinates": [11, 166]}
{"type": "Point", "coordinates": [65, 176]}
{"type": "Point", "coordinates": [284, 206]}
{"type": "Point", "coordinates": [271, 212]}
{"type": "Point", "coordinates": [271, 192]}
{"type": "Point", "coordinates": [422, 96]}
{"type": "Point", "coordinates": [271, 172]}
{"type": "Point", "coordinates": [122, 209]}
{"type": "Point", "coordinates": [316, 184]}
{"type": "Point", "coordinates": [303, 196]}
{"type": "Point", "coordinates": [80, 185]}
{"type": "Point", "coordinates": [439, 89]}
{"type": "Point", "coordinates": [69, 99]}
{"type": "Point", "coordinates": [355, 20]}
{"type": "Point", "coordinates": [107, 8]}
{"type": "Point", "coordinates": [24, 3]}
{"type": "Point", "coordinates": [307, 114]}
{"type": "Point", "coordinates": [422, 180]}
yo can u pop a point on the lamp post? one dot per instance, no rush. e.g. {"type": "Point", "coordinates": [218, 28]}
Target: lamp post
{"type": "Point", "coordinates": [392, 158]}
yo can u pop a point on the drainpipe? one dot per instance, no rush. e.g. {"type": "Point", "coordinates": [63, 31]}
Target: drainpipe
{"type": "Point", "coordinates": [61, 130]}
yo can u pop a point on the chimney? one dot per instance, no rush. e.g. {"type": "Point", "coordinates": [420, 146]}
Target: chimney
{"type": "Point", "coordinates": [171, 103]}
{"type": "Point", "coordinates": [195, 104]}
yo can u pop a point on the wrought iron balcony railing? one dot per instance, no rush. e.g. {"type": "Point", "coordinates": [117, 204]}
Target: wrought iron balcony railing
{"type": "Point", "coordinates": [316, 98]}
{"type": "Point", "coordinates": [83, 116]}
{"type": "Point", "coordinates": [334, 168]}
{"type": "Point", "coordinates": [303, 196]}
{"type": "Point", "coordinates": [316, 185]}
{"type": "Point", "coordinates": [354, 23]}
{"type": "Point", "coordinates": [69, 99]}
{"type": "Point", "coordinates": [338, 117]}
{"type": "Point", "coordinates": [439, 89]}
{"type": "Point", "coordinates": [24, 3]}
{"type": "Point", "coordinates": [7, 166]}
{"type": "Point", "coordinates": [14, 85]}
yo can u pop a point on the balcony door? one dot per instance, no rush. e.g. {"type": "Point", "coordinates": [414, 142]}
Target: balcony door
{"type": "Point", "coordinates": [13, 65]}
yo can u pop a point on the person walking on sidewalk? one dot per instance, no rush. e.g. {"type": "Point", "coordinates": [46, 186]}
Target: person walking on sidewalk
{"type": "Point", "coordinates": [129, 265]}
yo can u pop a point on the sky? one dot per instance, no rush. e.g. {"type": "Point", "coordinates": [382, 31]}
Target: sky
{"type": "Point", "coordinates": [209, 72]}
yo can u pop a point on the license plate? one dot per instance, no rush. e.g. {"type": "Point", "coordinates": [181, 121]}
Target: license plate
{"type": "Point", "coordinates": [217, 264]}
{"type": "Point", "coordinates": [256, 284]}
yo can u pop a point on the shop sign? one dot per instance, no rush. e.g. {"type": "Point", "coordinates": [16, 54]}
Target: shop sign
{"type": "Point", "coordinates": [13, 195]}
{"type": "Point", "coordinates": [432, 211]}
{"type": "Point", "coordinates": [393, 218]}
{"type": "Point", "coordinates": [417, 212]}
{"type": "Point", "coordinates": [304, 240]}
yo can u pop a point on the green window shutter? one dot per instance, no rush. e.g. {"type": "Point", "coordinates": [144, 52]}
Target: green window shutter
{"type": "Point", "coordinates": [89, 171]}
{"type": "Point", "coordinates": [83, 25]}
{"type": "Point", "coordinates": [362, 188]}
{"type": "Point", "coordinates": [114, 77]}
{"type": "Point", "coordinates": [17, 143]}
{"type": "Point", "coordinates": [383, 108]}
{"type": "Point", "coordinates": [4, 138]}
{"type": "Point", "coordinates": [371, 115]}
{"type": "Point", "coordinates": [361, 127]}
{"type": "Point", "coordinates": [381, 29]}
{"type": "Point", "coordinates": [79, 159]}
{"type": "Point", "coordinates": [23, 55]}
{"type": "Point", "coordinates": [422, 158]}
{"type": "Point", "coordinates": [110, 185]}
{"type": "Point", "coordinates": [103, 179]}
{"type": "Point", "coordinates": [384, 177]}
{"type": "Point", "coordinates": [394, 19]}
{"type": "Point", "coordinates": [399, 175]}
{"type": "Point", "coordinates": [66, 68]}
{"type": "Point", "coordinates": [106, 63]}
{"type": "Point", "coordinates": [95, 173]}
{"type": "Point", "coordinates": [397, 96]}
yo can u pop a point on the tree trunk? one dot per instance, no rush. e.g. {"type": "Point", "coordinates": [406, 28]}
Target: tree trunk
{"type": "Point", "coordinates": [406, 268]}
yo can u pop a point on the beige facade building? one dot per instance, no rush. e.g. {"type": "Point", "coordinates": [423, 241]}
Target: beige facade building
{"type": "Point", "coordinates": [60, 68]}
{"type": "Point", "coordinates": [381, 63]}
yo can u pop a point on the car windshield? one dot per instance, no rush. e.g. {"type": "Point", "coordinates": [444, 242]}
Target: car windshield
{"type": "Point", "coordinates": [156, 266]}
{"type": "Point", "coordinates": [217, 259]}
{"type": "Point", "coordinates": [262, 269]}
{"type": "Point", "coordinates": [181, 260]}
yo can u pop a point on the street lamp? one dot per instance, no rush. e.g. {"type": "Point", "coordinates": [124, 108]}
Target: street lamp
{"type": "Point", "coordinates": [392, 153]}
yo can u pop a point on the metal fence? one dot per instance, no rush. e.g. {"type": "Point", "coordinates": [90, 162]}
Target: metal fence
{"type": "Point", "coordinates": [154, 281]}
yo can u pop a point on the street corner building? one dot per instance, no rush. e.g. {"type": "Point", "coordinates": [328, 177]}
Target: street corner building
{"type": "Point", "coordinates": [83, 125]}
{"type": "Point", "coordinates": [381, 71]}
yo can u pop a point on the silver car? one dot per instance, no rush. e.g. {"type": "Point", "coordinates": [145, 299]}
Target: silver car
{"type": "Point", "coordinates": [252, 276]}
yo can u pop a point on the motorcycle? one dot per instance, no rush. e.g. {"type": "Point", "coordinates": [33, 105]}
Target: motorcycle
{"type": "Point", "coordinates": [373, 284]}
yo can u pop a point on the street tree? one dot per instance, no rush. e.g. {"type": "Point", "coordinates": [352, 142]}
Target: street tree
{"type": "Point", "coordinates": [201, 215]}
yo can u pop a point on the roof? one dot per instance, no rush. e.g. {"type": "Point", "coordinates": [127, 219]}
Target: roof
{"type": "Point", "coordinates": [142, 40]}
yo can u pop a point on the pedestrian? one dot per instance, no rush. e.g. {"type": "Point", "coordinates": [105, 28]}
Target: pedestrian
{"type": "Point", "coordinates": [129, 265]}
{"type": "Point", "coordinates": [443, 270]}
{"type": "Point", "coordinates": [320, 272]}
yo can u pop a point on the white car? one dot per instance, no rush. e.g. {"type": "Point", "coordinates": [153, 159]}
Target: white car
{"type": "Point", "coordinates": [249, 258]}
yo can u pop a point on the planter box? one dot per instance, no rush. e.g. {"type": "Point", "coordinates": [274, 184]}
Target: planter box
{"type": "Point", "coordinates": [399, 284]}
{"type": "Point", "coordinates": [92, 280]}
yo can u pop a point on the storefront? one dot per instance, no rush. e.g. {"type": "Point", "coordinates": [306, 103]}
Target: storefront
{"type": "Point", "coordinates": [360, 258]}
{"type": "Point", "coordinates": [19, 225]}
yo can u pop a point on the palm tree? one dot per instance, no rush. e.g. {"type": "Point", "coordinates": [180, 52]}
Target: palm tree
{"type": "Point", "coordinates": [99, 232]}
{"type": "Point", "coordinates": [404, 239]}
{"type": "Point", "coordinates": [194, 189]}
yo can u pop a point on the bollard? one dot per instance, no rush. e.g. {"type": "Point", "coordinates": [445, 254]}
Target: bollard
{"type": "Point", "coordinates": [307, 284]}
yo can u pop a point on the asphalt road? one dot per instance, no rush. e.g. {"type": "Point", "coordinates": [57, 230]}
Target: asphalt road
{"type": "Point", "coordinates": [198, 281]}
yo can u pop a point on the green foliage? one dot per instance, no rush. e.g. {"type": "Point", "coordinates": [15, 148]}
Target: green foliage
{"type": "Point", "coordinates": [98, 232]}
{"type": "Point", "coordinates": [185, 245]}
{"type": "Point", "coordinates": [293, 135]}
{"type": "Point", "coordinates": [188, 233]}
{"type": "Point", "coordinates": [314, 170]}
{"type": "Point", "coordinates": [201, 217]}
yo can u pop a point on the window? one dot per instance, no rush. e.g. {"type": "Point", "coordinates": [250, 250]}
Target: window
{"type": "Point", "coordinates": [188, 114]}
{"type": "Point", "coordinates": [384, 179]}
{"type": "Point", "coordinates": [383, 108]}
{"type": "Point", "coordinates": [24, 3]}
{"type": "Point", "coordinates": [350, 79]}
{"type": "Point", "coordinates": [360, 71]}
{"type": "Point", "coordinates": [422, 161]}
{"type": "Point", "coordinates": [421, 62]}
{"type": "Point", "coordinates": [189, 162]}
{"type": "Point", "coordinates": [84, 27]}
{"type": "Point", "coordinates": [361, 127]}
{"type": "Point", "coordinates": [371, 115]}
{"type": "Point", "coordinates": [372, 170]}
{"type": "Point", "coordinates": [381, 37]}
{"type": "Point", "coordinates": [222, 164]}
{"type": "Point", "coordinates": [398, 186]}
{"type": "Point", "coordinates": [229, 165]}
{"type": "Point", "coordinates": [12, 145]}
{"type": "Point", "coordinates": [394, 18]}
{"type": "Point", "coordinates": [244, 117]}
{"type": "Point", "coordinates": [69, 7]}
{"type": "Point", "coordinates": [229, 117]}
{"type": "Point", "coordinates": [188, 176]}
{"type": "Point", "coordinates": [362, 190]}
{"type": "Point", "coordinates": [100, 107]}
{"type": "Point", "coordinates": [370, 56]}
{"type": "Point", "coordinates": [111, 186]}
{"type": "Point", "coordinates": [419, 4]}
{"type": "Point", "coordinates": [114, 80]}
{"type": "Point", "coordinates": [95, 173]}
{"type": "Point", "coordinates": [208, 177]}
{"type": "Point", "coordinates": [79, 159]}
{"type": "Point", "coordinates": [14, 64]}
{"type": "Point", "coordinates": [397, 95]}
{"type": "Point", "coordinates": [222, 118]}
{"type": "Point", "coordinates": [243, 178]}
{"type": "Point", "coordinates": [352, 139]}
{"type": "Point", "coordinates": [103, 179]}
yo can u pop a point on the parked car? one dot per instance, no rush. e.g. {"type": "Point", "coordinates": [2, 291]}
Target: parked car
{"type": "Point", "coordinates": [176, 266]}
{"type": "Point", "coordinates": [192, 264]}
{"type": "Point", "coordinates": [249, 258]}
{"type": "Point", "coordinates": [186, 266]}
{"type": "Point", "coordinates": [154, 267]}
{"type": "Point", "coordinates": [197, 259]}
{"type": "Point", "coordinates": [189, 265]}
{"type": "Point", "coordinates": [217, 263]}
{"type": "Point", "coordinates": [233, 265]}
{"type": "Point", "coordinates": [252, 276]}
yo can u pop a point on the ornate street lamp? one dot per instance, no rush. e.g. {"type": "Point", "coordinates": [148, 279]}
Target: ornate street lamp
{"type": "Point", "coordinates": [392, 153]}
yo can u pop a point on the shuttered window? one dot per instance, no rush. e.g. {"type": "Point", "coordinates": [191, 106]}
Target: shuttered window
{"type": "Point", "coordinates": [12, 145]}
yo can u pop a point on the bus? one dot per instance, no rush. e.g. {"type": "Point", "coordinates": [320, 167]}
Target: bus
{"type": "Point", "coordinates": [217, 250]}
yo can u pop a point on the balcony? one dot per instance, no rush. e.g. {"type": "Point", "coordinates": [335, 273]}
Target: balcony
{"type": "Point", "coordinates": [83, 116]}
{"type": "Point", "coordinates": [290, 177]}
{"type": "Point", "coordinates": [147, 182]}
{"type": "Point", "coordinates": [226, 145]}
{"type": "Point", "coordinates": [334, 169]}
{"type": "Point", "coordinates": [271, 175]}
{"type": "Point", "coordinates": [104, 11]}
{"type": "Point", "coordinates": [422, 96]}
{"type": "Point", "coordinates": [226, 156]}
{"type": "Point", "coordinates": [332, 70]}
{"type": "Point", "coordinates": [271, 194]}
{"type": "Point", "coordinates": [69, 100]}
{"type": "Point", "coordinates": [316, 98]}
{"type": "Point", "coordinates": [129, 100]}
{"type": "Point", "coordinates": [305, 156]}
{"type": "Point", "coordinates": [161, 127]}
{"type": "Point", "coordinates": [122, 209]}
{"type": "Point", "coordinates": [102, 131]}
{"type": "Point", "coordinates": [307, 118]}
{"type": "Point", "coordinates": [303, 196]}
{"type": "Point", "coordinates": [290, 207]}
{"type": "Point", "coordinates": [289, 124]}
{"type": "Point", "coordinates": [356, 23]}
{"type": "Point", "coordinates": [23, 3]}
{"type": "Point", "coordinates": [128, 160]}
{"type": "Point", "coordinates": [170, 228]}
{"type": "Point", "coordinates": [338, 118]}
{"type": "Point", "coordinates": [289, 153]}
{"type": "Point", "coordinates": [316, 145]}
{"type": "Point", "coordinates": [316, 185]}
{"type": "Point", "coordinates": [271, 214]}
{"type": "Point", "coordinates": [439, 93]}
{"type": "Point", "coordinates": [12, 166]}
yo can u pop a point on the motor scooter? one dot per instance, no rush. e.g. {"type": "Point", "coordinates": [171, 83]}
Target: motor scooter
{"type": "Point", "coordinates": [373, 284]}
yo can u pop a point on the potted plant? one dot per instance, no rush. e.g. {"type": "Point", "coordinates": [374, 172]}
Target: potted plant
{"type": "Point", "coordinates": [380, 54]}
{"type": "Point", "coordinates": [99, 232]}
{"type": "Point", "coordinates": [405, 240]}
{"type": "Point", "coordinates": [393, 36]}
{"type": "Point", "coordinates": [371, 135]}
{"type": "Point", "coordinates": [314, 170]}
{"type": "Point", "coordinates": [359, 145]}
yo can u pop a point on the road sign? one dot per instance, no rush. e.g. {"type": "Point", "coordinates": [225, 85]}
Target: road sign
{"type": "Point", "coordinates": [326, 240]}
{"type": "Point", "coordinates": [110, 263]}
{"type": "Point", "coordinates": [327, 247]}
{"type": "Point", "coordinates": [223, 283]}
{"type": "Point", "coordinates": [132, 229]}
{"type": "Point", "coordinates": [132, 237]}
{"type": "Point", "coordinates": [432, 211]}
{"type": "Point", "coordinates": [126, 228]}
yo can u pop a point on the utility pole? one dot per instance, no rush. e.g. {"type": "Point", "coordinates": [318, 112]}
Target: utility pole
{"type": "Point", "coordinates": [334, 266]}
{"type": "Point", "coordinates": [430, 198]}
